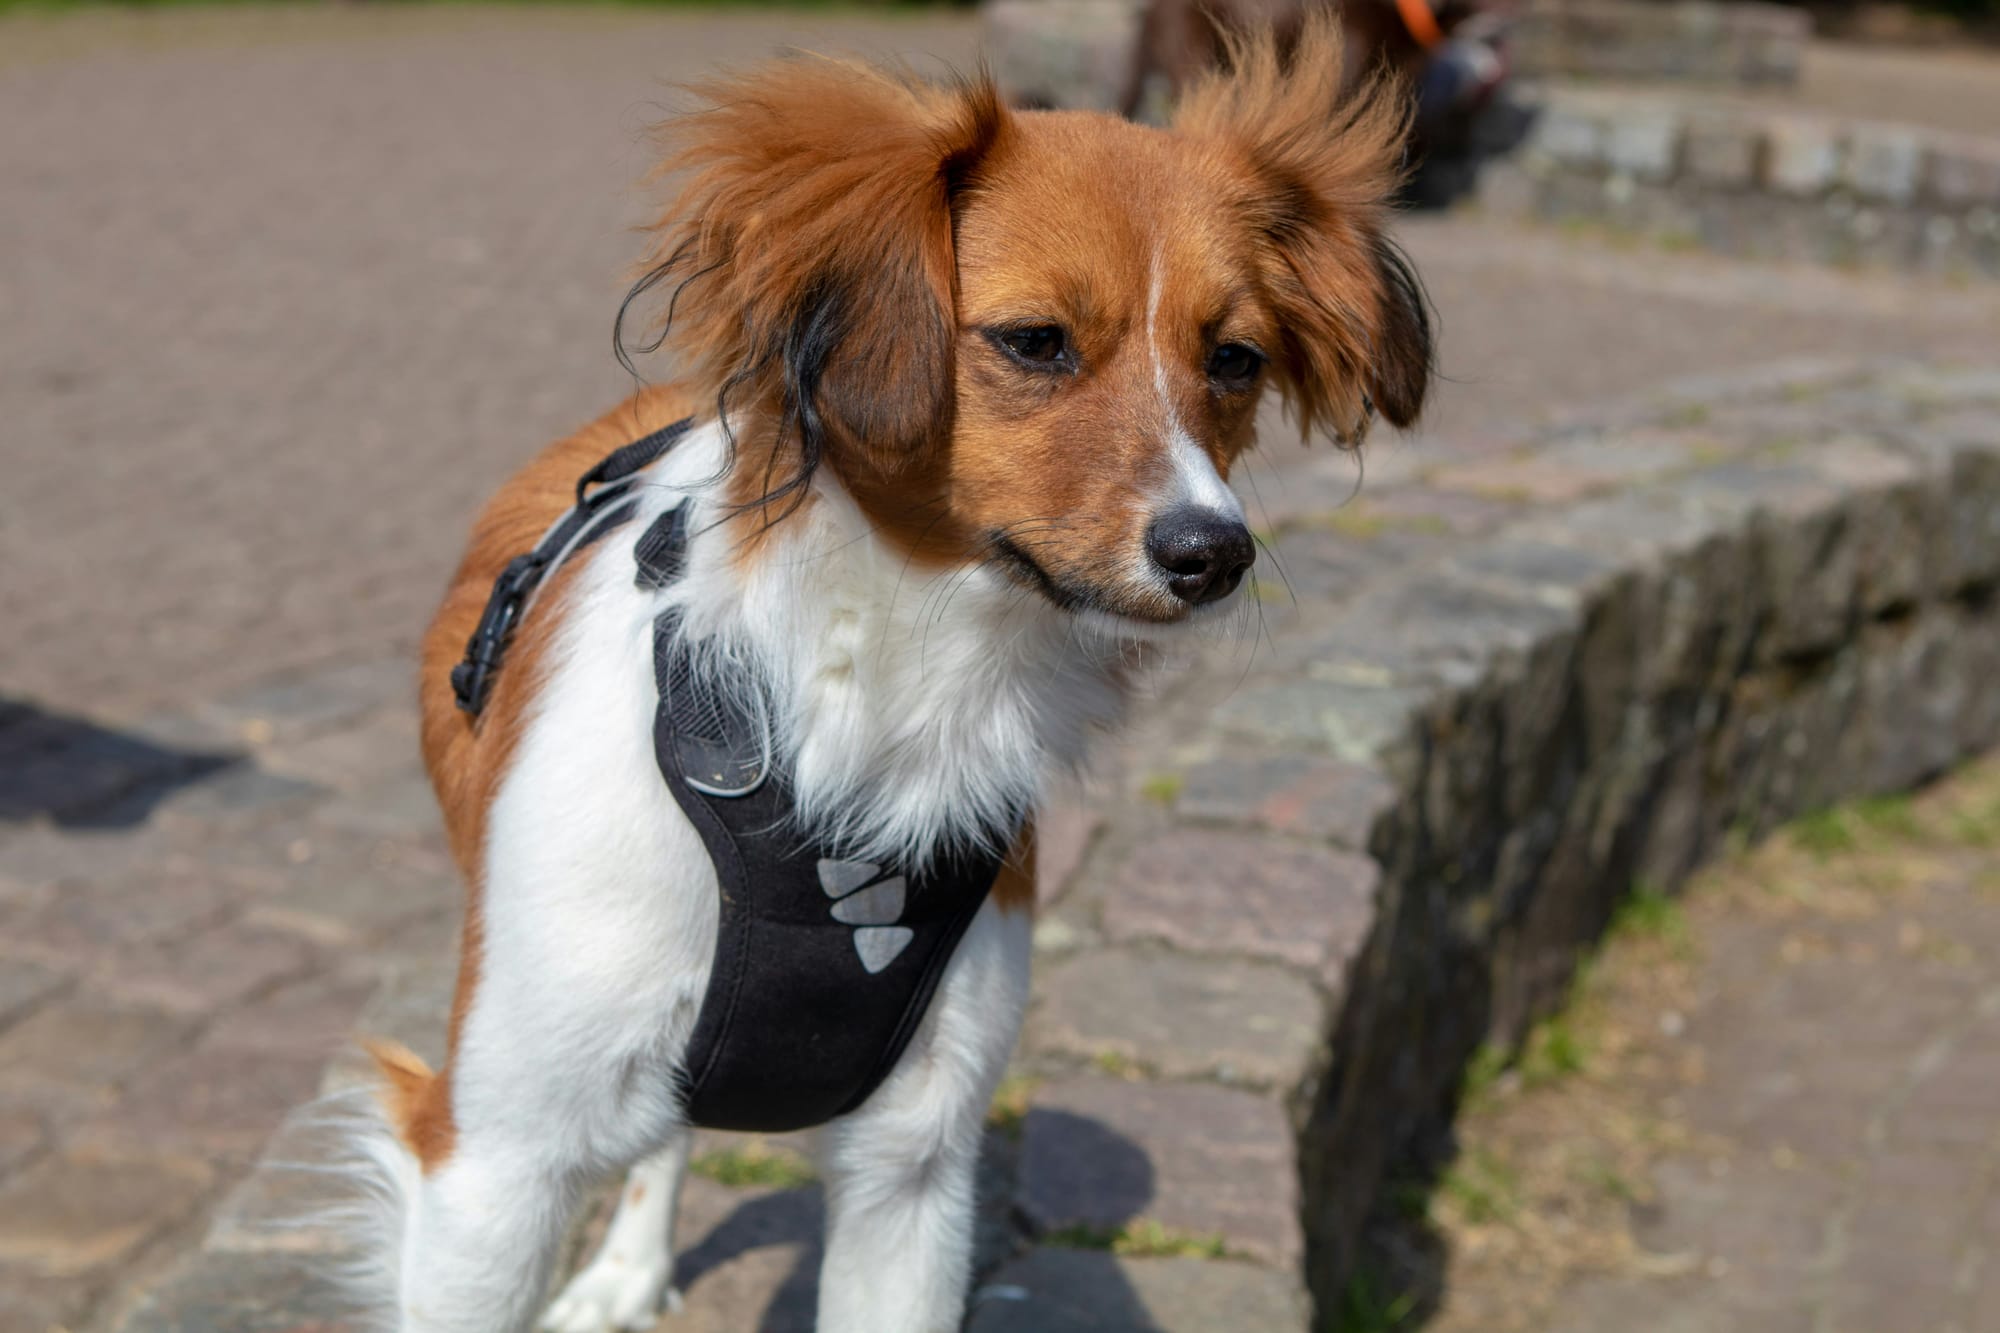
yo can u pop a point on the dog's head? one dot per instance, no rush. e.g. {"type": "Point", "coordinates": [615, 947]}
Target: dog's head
{"type": "Point", "coordinates": [1040, 338]}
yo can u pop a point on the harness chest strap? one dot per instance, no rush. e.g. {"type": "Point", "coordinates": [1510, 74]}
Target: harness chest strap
{"type": "Point", "coordinates": [824, 966]}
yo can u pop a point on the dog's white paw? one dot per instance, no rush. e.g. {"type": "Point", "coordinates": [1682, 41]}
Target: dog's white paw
{"type": "Point", "coordinates": [610, 1295]}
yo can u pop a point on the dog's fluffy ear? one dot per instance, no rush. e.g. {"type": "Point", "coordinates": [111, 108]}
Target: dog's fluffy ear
{"type": "Point", "coordinates": [1322, 169]}
{"type": "Point", "coordinates": [813, 221]}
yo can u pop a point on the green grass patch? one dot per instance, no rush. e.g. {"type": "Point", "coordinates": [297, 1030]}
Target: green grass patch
{"type": "Point", "coordinates": [1483, 1188]}
{"type": "Point", "coordinates": [1117, 1065]}
{"type": "Point", "coordinates": [1358, 522]}
{"type": "Point", "coordinates": [1606, 1179]}
{"type": "Point", "coordinates": [1367, 1305]}
{"type": "Point", "coordinates": [1889, 816]}
{"type": "Point", "coordinates": [1140, 1239]}
{"type": "Point", "coordinates": [1824, 834]}
{"type": "Point", "coordinates": [1009, 1109]}
{"type": "Point", "coordinates": [1482, 1075]}
{"type": "Point", "coordinates": [755, 1164]}
{"type": "Point", "coordinates": [1163, 788]}
{"type": "Point", "coordinates": [1650, 913]}
{"type": "Point", "coordinates": [1554, 1051]}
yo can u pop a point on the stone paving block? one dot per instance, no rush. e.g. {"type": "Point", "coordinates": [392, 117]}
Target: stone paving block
{"type": "Point", "coordinates": [1567, 135]}
{"type": "Point", "coordinates": [348, 901]}
{"type": "Point", "coordinates": [76, 1213]}
{"type": "Point", "coordinates": [218, 1102]}
{"type": "Point", "coordinates": [315, 1016]}
{"type": "Point", "coordinates": [1884, 162]}
{"type": "Point", "coordinates": [41, 854]}
{"type": "Point", "coordinates": [1803, 155]}
{"type": "Point", "coordinates": [749, 1258]}
{"type": "Point", "coordinates": [1238, 1021]}
{"type": "Point", "coordinates": [204, 973]}
{"type": "Point", "coordinates": [81, 1045]}
{"type": "Point", "coordinates": [79, 919]}
{"type": "Point", "coordinates": [393, 807]}
{"type": "Point", "coordinates": [1201, 1160]}
{"type": "Point", "coordinates": [1427, 507]}
{"type": "Point", "coordinates": [1294, 794]}
{"type": "Point", "coordinates": [21, 1136]}
{"type": "Point", "coordinates": [1088, 1291]}
{"type": "Point", "coordinates": [23, 983]}
{"type": "Point", "coordinates": [1242, 893]}
{"type": "Point", "coordinates": [242, 789]}
{"type": "Point", "coordinates": [1316, 563]}
{"type": "Point", "coordinates": [374, 748]}
{"type": "Point", "coordinates": [1723, 152]}
{"type": "Point", "coordinates": [1964, 172]}
{"type": "Point", "coordinates": [314, 701]}
{"type": "Point", "coordinates": [1644, 142]}
{"type": "Point", "coordinates": [31, 1303]}
{"type": "Point", "coordinates": [1355, 723]}
{"type": "Point", "coordinates": [247, 1294]}
{"type": "Point", "coordinates": [1063, 835]}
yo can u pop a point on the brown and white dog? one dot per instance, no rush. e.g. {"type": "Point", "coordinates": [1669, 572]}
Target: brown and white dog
{"type": "Point", "coordinates": [982, 377]}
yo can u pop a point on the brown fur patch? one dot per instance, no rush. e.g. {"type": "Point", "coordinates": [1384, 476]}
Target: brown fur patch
{"type": "Point", "coordinates": [1014, 889]}
{"type": "Point", "coordinates": [467, 757]}
{"type": "Point", "coordinates": [418, 1102]}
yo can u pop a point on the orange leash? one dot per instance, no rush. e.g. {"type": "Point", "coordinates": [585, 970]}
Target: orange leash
{"type": "Point", "coordinates": [1423, 24]}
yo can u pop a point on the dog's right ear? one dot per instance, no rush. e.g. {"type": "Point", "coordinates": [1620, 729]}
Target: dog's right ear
{"type": "Point", "coordinates": [1320, 164]}
{"type": "Point", "coordinates": [812, 233]}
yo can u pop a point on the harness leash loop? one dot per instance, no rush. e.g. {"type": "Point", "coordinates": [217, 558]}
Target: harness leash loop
{"type": "Point", "coordinates": [472, 678]}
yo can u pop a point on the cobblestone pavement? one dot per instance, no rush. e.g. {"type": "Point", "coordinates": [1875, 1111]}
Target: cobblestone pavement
{"type": "Point", "coordinates": [1771, 1110]}
{"type": "Point", "coordinates": [297, 295]}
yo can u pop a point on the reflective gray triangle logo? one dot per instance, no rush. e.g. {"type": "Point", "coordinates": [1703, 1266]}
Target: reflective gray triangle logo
{"type": "Point", "coordinates": [840, 878]}
{"type": "Point", "coordinates": [877, 905]}
{"type": "Point", "coordinates": [879, 945]}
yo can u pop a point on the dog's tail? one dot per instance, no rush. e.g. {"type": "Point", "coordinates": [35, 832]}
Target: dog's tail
{"type": "Point", "coordinates": [365, 1141]}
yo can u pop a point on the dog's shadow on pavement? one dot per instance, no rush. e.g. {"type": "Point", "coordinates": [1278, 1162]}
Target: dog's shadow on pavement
{"type": "Point", "coordinates": [1072, 1285]}
{"type": "Point", "coordinates": [82, 775]}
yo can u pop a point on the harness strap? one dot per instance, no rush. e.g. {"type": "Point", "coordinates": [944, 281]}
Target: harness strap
{"type": "Point", "coordinates": [594, 514]}
{"type": "Point", "coordinates": [824, 965]}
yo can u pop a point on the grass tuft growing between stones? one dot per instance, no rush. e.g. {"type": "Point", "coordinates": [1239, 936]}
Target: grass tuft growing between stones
{"type": "Point", "coordinates": [755, 1165]}
{"type": "Point", "coordinates": [1370, 1305]}
{"type": "Point", "coordinates": [1011, 1099]}
{"type": "Point", "coordinates": [1650, 913]}
{"type": "Point", "coordinates": [1141, 1238]}
{"type": "Point", "coordinates": [1118, 1065]}
{"type": "Point", "coordinates": [1481, 1188]}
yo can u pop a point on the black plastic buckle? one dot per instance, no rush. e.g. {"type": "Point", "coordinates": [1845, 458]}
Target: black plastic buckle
{"type": "Point", "coordinates": [472, 679]}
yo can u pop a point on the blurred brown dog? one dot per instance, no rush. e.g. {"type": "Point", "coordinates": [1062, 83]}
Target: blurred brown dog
{"type": "Point", "coordinates": [1179, 39]}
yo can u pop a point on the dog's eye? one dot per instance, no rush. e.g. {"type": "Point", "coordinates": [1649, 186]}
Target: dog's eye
{"type": "Point", "coordinates": [1040, 345]}
{"type": "Point", "coordinates": [1234, 364]}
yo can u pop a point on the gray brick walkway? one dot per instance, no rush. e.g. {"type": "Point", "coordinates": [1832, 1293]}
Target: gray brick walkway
{"type": "Point", "coordinates": [302, 286]}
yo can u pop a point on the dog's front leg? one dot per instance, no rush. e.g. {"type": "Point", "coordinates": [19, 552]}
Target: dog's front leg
{"type": "Point", "coordinates": [632, 1278]}
{"type": "Point", "coordinates": [900, 1171]}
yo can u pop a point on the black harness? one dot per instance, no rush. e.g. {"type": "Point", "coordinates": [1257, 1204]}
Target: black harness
{"type": "Point", "coordinates": [824, 966]}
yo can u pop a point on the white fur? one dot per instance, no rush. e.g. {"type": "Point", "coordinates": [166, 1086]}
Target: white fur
{"type": "Point", "coordinates": [916, 711]}
{"type": "Point", "coordinates": [1195, 480]}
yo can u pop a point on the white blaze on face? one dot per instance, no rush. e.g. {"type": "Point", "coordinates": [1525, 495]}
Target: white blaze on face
{"type": "Point", "coordinates": [1195, 480]}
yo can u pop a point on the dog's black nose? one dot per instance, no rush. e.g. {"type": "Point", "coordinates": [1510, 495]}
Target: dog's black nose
{"type": "Point", "coordinates": [1203, 552]}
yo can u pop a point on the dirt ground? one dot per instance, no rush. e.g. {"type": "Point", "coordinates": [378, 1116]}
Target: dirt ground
{"type": "Point", "coordinates": [1768, 1106]}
